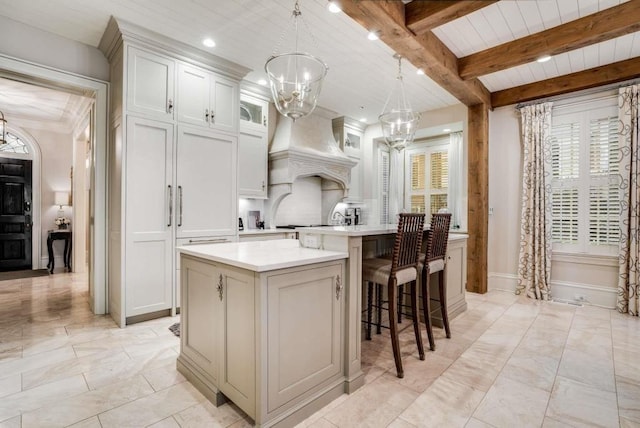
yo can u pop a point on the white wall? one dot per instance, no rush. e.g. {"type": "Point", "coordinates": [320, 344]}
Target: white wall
{"type": "Point", "coordinates": [57, 158]}
{"type": "Point", "coordinates": [593, 278]}
{"type": "Point", "coordinates": [22, 41]}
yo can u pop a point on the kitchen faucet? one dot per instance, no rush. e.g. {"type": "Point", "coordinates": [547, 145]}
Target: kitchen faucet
{"type": "Point", "coordinates": [344, 219]}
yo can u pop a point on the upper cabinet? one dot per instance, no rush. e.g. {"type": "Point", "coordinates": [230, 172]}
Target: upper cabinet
{"type": "Point", "coordinates": [206, 99]}
{"type": "Point", "coordinates": [150, 84]}
{"type": "Point", "coordinates": [254, 113]}
{"type": "Point", "coordinates": [349, 133]}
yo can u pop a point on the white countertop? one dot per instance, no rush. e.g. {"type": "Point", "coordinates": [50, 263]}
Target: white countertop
{"type": "Point", "coordinates": [262, 256]}
{"type": "Point", "coordinates": [365, 230]}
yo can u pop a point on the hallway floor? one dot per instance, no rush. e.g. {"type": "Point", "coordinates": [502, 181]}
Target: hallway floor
{"type": "Point", "coordinates": [512, 362]}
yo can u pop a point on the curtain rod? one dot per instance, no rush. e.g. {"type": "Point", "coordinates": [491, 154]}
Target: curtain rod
{"type": "Point", "coordinates": [584, 92]}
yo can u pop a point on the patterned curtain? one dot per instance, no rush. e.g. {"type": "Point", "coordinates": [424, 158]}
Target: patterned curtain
{"type": "Point", "coordinates": [629, 128]}
{"type": "Point", "coordinates": [534, 262]}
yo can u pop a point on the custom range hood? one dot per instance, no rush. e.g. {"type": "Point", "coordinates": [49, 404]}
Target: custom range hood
{"type": "Point", "coordinates": [307, 148]}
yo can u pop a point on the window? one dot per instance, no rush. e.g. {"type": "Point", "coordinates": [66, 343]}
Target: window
{"type": "Point", "coordinates": [585, 201]}
{"type": "Point", "coordinates": [14, 145]}
{"type": "Point", "coordinates": [427, 185]}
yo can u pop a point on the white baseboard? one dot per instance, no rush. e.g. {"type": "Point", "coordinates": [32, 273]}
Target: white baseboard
{"type": "Point", "coordinates": [583, 293]}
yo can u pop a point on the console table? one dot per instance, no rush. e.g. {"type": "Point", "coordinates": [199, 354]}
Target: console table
{"type": "Point", "coordinates": [54, 235]}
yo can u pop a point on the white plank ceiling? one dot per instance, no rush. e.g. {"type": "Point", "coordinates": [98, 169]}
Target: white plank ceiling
{"type": "Point", "coordinates": [361, 71]}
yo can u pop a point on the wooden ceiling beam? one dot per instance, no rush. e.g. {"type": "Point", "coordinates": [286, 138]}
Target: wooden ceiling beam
{"type": "Point", "coordinates": [425, 51]}
{"type": "Point", "coordinates": [423, 16]}
{"type": "Point", "coordinates": [591, 78]}
{"type": "Point", "coordinates": [595, 28]}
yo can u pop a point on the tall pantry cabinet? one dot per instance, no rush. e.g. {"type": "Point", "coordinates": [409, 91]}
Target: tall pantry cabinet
{"type": "Point", "coordinates": [172, 163]}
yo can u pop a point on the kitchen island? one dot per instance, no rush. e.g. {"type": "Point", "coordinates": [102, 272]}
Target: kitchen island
{"type": "Point", "coordinates": [263, 324]}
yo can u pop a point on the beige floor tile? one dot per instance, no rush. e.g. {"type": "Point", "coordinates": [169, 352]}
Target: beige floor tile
{"type": "Point", "coordinates": [503, 404]}
{"type": "Point", "coordinates": [169, 422]}
{"type": "Point", "coordinates": [91, 422]}
{"type": "Point", "coordinates": [476, 423]}
{"type": "Point", "coordinates": [152, 408]}
{"type": "Point", "coordinates": [83, 406]}
{"type": "Point", "coordinates": [205, 414]}
{"type": "Point", "coordinates": [553, 423]}
{"type": "Point", "coordinates": [40, 396]}
{"type": "Point", "coordinates": [588, 369]}
{"type": "Point", "coordinates": [626, 363]}
{"type": "Point", "coordinates": [596, 342]}
{"type": "Point", "coordinates": [627, 423]}
{"type": "Point", "coordinates": [538, 371]}
{"type": "Point", "coordinates": [375, 404]}
{"type": "Point", "coordinates": [15, 422]}
{"type": "Point", "coordinates": [25, 364]}
{"type": "Point", "coordinates": [164, 377]}
{"type": "Point", "coordinates": [473, 373]}
{"type": "Point", "coordinates": [628, 399]}
{"type": "Point", "coordinates": [575, 403]}
{"type": "Point", "coordinates": [549, 342]}
{"type": "Point", "coordinates": [10, 385]}
{"type": "Point", "coordinates": [401, 423]}
{"type": "Point", "coordinates": [322, 423]}
{"type": "Point", "coordinates": [419, 374]}
{"type": "Point", "coordinates": [444, 404]}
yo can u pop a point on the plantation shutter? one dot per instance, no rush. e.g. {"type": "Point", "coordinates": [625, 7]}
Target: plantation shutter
{"type": "Point", "coordinates": [565, 167]}
{"type": "Point", "coordinates": [439, 169]}
{"type": "Point", "coordinates": [384, 187]}
{"type": "Point", "coordinates": [604, 189]}
{"type": "Point", "coordinates": [417, 179]}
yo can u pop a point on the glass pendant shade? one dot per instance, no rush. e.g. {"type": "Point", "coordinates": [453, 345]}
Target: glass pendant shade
{"type": "Point", "coordinates": [3, 129]}
{"type": "Point", "coordinates": [398, 120]}
{"type": "Point", "coordinates": [295, 78]}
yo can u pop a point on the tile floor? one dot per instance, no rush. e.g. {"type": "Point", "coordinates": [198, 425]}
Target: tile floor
{"type": "Point", "coordinates": [512, 362]}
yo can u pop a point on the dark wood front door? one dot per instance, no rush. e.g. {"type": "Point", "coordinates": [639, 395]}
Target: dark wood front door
{"type": "Point", "coordinates": [15, 214]}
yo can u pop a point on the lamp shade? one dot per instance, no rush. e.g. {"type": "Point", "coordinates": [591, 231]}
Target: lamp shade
{"type": "Point", "coordinates": [61, 198]}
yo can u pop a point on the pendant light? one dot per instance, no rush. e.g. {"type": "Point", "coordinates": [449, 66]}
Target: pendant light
{"type": "Point", "coordinates": [295, 78]}
{"type": "Point", "coordinates": [398, 120]}
{"type": "Point", "coordinates": [3, 129]}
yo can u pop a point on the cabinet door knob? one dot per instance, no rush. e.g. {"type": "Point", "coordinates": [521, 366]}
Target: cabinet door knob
{"type": "Point", "coordinates": [263, 185]}
{"type": "Point", "coordinates": [264, 120]}
{"type": "Point", "coordinates": [213, 116]}
{"type": "Point", "coordinates": [206, 115]}
{"type": "Point", "coordinates": [170, 106]}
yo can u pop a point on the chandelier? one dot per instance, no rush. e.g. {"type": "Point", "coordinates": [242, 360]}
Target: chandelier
{"type": "Point", "coordinates": [295, 78]}
{"type": "Point", "coordinates": [398, 120]}
{"type": "Point", "coordinates": [3, 129]}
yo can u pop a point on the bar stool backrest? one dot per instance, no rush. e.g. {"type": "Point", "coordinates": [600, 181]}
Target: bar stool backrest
{"type": "Point", "coordinates": [438, 236]}
{"type": "Point", "coordinates": [406, 249]}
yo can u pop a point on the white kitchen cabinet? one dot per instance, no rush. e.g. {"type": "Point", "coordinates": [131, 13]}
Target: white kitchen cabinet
{"type": "Point", "coordinates": [150, 84]}
{"type": "Point", "coordinates": [206, 198]}
{"type": "Point", "coordinates": [253, 154]}
{"type": "Point", "coordinates": [269, 341]}
{"type": "Point", "coordinates": [207, 99]}
{"type": "Point", "coordinates": [149, 217]}
{"type": "Point", "coordinates": [349, 133]}
{"type": "Point", "coordinates": [254, 113]}
{"type": "Point", "coordinates": [253, 147]}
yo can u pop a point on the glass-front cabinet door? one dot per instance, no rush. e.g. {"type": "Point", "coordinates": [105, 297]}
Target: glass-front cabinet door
{"type": "Point", "coordinates": [254, 112]}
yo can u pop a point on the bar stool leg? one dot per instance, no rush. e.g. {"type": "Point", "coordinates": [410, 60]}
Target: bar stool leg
{"type": "Point", "coordinates": [416, 322]}
{"type": "Point", "coordinates": [443, 302]}
{"type": "Point", "coordinates": [400, 295]}
{"type": "Point", "coordinates": [379, 314]}
{"type": "Point", "coordinates": [393, 326]}
{"type": "Point", "coordinates": [369, 308]}
{"type": "Point", "coordinates": [426, 308]}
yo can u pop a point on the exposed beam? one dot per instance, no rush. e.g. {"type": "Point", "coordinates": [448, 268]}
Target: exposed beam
{"type": "Point", "coordinates": [591, 78]}
{"type": "Point", "coordinates": [425, 51]}
{"type": "Point", "coordinates": [423, 16]}
{"type": "Point", "coordinates": [598, 27]}
{"type": "Point", "coordinates": [478, 202]}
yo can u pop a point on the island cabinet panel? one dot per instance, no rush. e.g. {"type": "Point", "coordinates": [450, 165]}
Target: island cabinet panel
{"type": "Point", "coordinates": [238, 380]}
{"type": "Point", "coordinates": [305, 311]}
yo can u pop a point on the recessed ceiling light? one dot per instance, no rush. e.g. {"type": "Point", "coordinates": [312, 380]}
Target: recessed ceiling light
{"type": "Point", "coordinates": [544, 58]}
{"type": "Point", "coordinates": [373, 35]}
{"type": "Point", "coordinates": [363, 120]}
{"type": "Point", "coordinates": [208, 42]}
{"type": "Point", "coordinates": [446, 130]}
{"type": "Point", "coordinates": [420, 72]}
{"type": "Point", "coordinates": [262, 82]}
{"type": "Point", "coordinates": [334, 8]}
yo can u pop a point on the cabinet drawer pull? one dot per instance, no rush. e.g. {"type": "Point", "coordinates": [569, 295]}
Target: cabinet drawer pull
{"type": "Point", "coordinates": [170, 106]}
{"type": "Point", "coordinates": [207, 241]}
{"type": "Point", "coordinates": [220, 287]}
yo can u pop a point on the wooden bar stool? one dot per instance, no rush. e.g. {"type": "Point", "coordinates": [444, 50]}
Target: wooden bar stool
{"type": "Point", "coordinates": [401, 269]}
{"type": "Point", "coordinates": [434, 260]}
